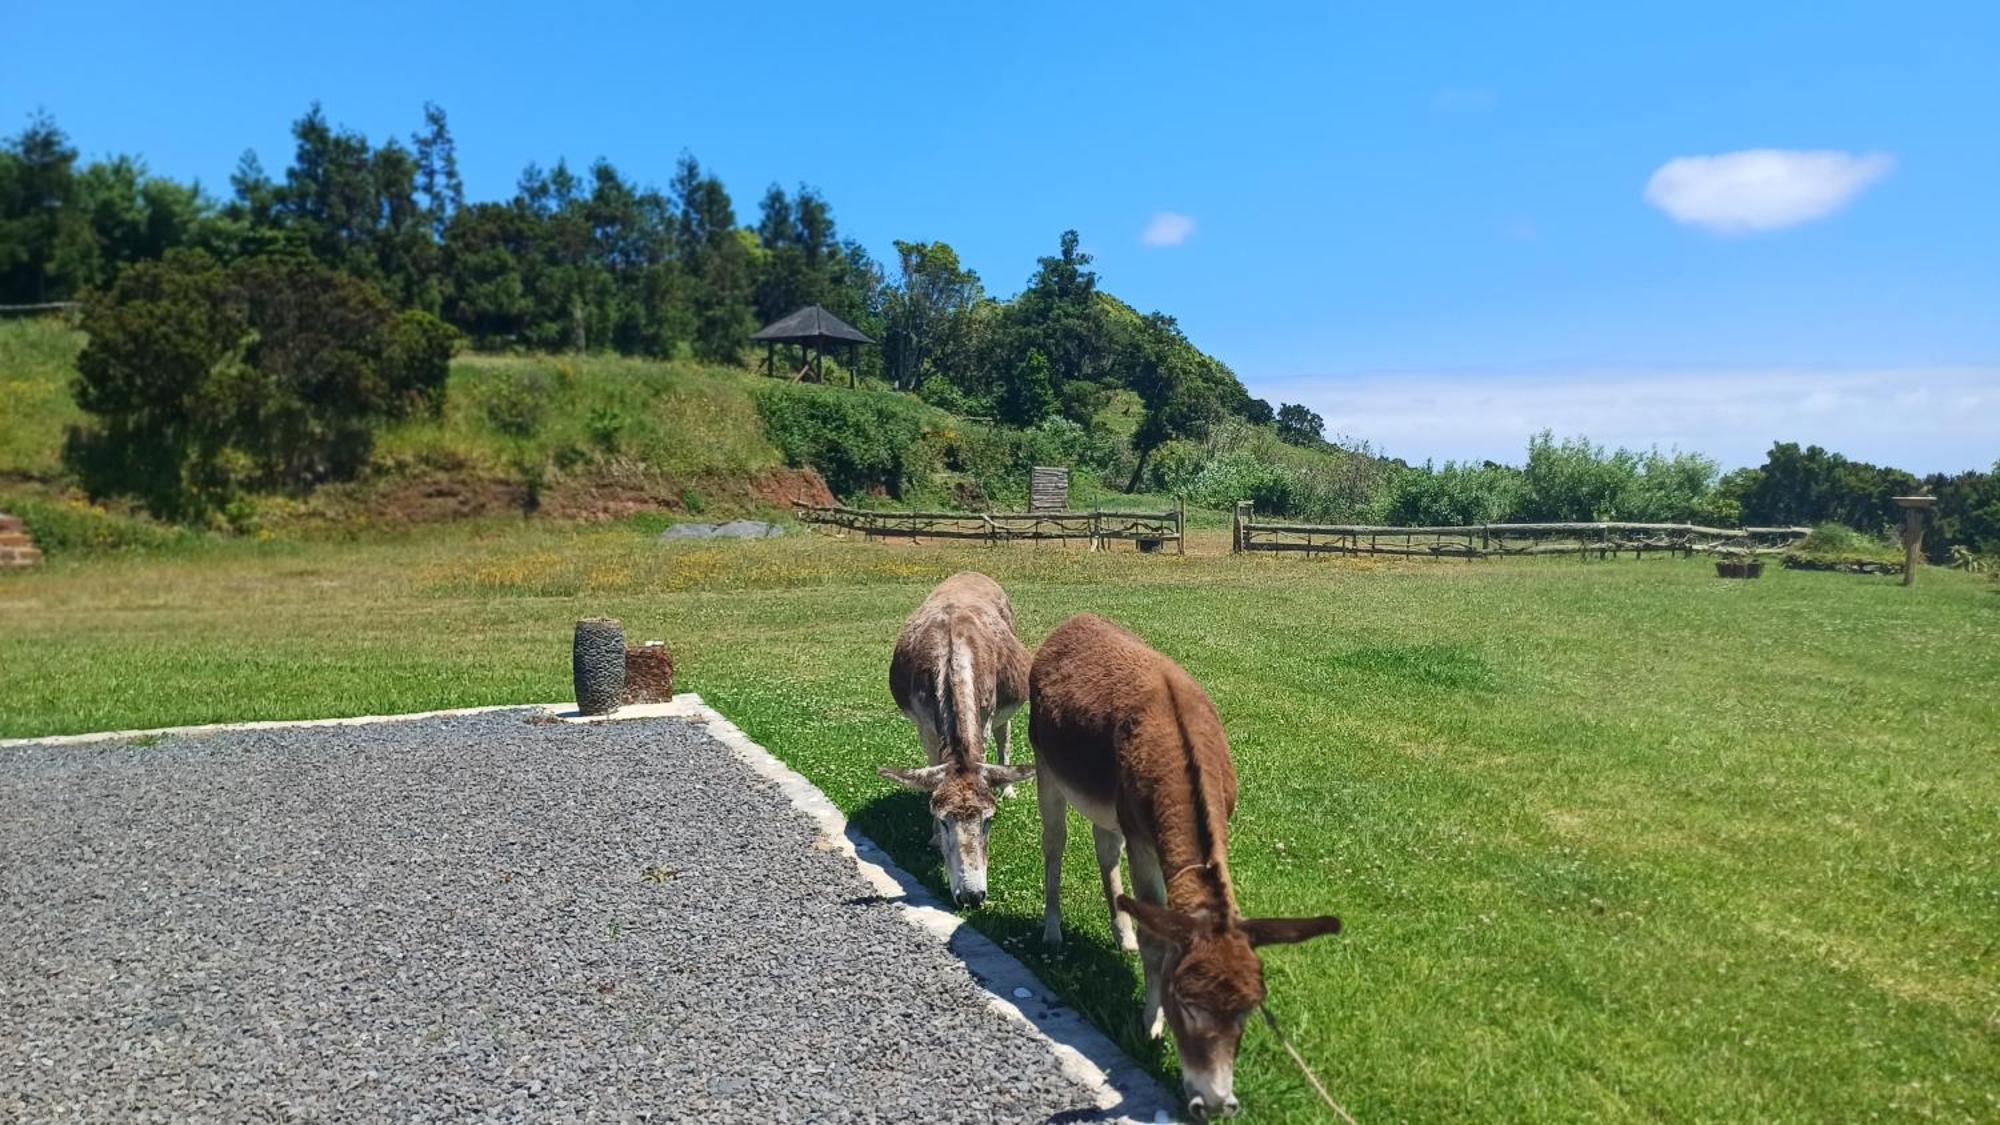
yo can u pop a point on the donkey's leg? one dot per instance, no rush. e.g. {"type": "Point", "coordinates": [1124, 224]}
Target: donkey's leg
{"type": "Point", "coordinates": [1108, 845]}
{"type": "Point", "coordinates": [1002, 727]}
{"type": "Point", "coordinates": [1055, 834]}
{"type": "Point", "coordinates": [1150, 884]}
{"type": "Point", "coordinates": [932, 736]}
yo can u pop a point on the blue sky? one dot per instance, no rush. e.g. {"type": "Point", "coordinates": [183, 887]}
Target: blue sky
{"type": "Point", "coordinates": [1443, 226]}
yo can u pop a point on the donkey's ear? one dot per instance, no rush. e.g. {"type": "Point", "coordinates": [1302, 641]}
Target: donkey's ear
{"type": "Point", "coordinates": [1161, 922]}
{"type": "Point", "coordinates": [923, 780]}
{"type": "Point", "coordinates": [1006, 775]}
{"type": "Point", "coordinates": [1286, 931]}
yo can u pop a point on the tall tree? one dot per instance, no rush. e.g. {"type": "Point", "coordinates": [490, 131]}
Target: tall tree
{"type": "Point", "coordinates": [717, 262]}
{"type": "Point", "coordinates": [1060, 316]}
{"type": "Point", "coordinates": [927, 311]}
{"type": "Point", "coordinates": [47, 249]}
{"type": "Point", "coordinates": [1299, 425]}
{"type": "Point", "coordinates": [1178, 395]}
{"type": "Point", "coordinates": [437, 170]}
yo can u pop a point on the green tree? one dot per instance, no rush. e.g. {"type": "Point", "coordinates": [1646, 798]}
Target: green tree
{"type": "Point", "coordinates": [206, 382]}
{"type": "Point", "coordinates": [1177, 393]}
{"type": "Point", "coordinates": [1027, 395]}
{"type": "Point", "coordinates": [437, 170]}
{"type": "Point", "coordinates": [1060, 316]}
{"type": "Point", "coordinates": [928, 314]}
{"type": "Point", "coordinates": [48, 251]}
{"type": "Point", "coordinates": [717, 262]}
{"type": "Point", "coordinates": [1809, 486]}
{"type": "Point", "coordinates": [1298, 425]}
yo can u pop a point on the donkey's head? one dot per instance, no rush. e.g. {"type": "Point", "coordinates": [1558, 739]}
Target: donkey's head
{"type": "Point", "coordinates": [1210, 982]}
{"type": "Point", "coordinates": [962, 807]}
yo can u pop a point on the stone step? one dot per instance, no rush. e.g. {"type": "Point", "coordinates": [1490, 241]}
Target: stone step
{"type": "Point", "coordinates": [19, 556]}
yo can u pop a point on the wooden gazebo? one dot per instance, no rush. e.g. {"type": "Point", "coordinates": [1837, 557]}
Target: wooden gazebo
{"type": "Point", "coordinates": [812, 330]}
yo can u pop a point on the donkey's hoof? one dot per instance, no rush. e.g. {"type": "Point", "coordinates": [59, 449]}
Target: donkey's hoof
{"type": "Point", "coordinates": [1006, 791]}
{"type": "Point", "coordinates": [1052, 933]}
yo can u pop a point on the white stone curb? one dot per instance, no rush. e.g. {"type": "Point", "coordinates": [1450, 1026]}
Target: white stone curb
{"type": "Point", "coordinates": [1124, 1093]}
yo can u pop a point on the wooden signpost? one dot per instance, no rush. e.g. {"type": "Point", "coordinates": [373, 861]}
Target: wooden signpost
{"type": "Point", "coordinates": [1914, 508]}
{"type": "Point", "coordinates": [1048, 489]}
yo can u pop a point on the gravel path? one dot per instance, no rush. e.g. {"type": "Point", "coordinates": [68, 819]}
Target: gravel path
{"type": "Point", "coordinates": [480, 916]}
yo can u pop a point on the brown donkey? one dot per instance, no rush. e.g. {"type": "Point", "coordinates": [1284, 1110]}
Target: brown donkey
{"type": "Point", "coordinates": [1126, 736]}
{"type": "Point", "coordinates": [959, 673]}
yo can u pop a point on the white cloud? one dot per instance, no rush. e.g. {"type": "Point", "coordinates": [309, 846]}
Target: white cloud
{"type": "Point", "coordinates": [1167, 229]}
{"type": "Point", "coordinates": [1762, 189]}
{"type": "Point", "coordinates": [1923, 419]}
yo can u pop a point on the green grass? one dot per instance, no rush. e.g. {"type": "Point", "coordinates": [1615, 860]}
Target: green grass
{"type": "Point", "coordinates": [1613, 841]}
{"type": "Point", "coordinates": [678, 418]}
{"type": "Point", "coordinates": [37, 360]}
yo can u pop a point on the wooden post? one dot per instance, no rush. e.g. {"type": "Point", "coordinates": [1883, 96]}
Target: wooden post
{"type": "Point", "coordinates": [1180, 525]}
{"type": "Point", "coordinates": [1914, 508]}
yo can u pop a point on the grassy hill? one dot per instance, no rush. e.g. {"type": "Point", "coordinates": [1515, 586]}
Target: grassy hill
{"type": "Point", "coordinates": [584, 437]}
{"type": "Point", "coordinates": [37, 358]}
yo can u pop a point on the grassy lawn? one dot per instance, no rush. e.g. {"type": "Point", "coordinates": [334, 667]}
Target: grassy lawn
{"type": "Point", "coordinates": [1613, 840]}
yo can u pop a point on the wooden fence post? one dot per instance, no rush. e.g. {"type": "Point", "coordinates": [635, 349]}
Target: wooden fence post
{"type": "Point", "coordinates": [1180, 525]}
{"type": "Point", "coordinates": [1914, 508]}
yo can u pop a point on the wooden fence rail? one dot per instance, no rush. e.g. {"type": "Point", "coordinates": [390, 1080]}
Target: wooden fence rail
{"type": "Point", "coordinates": [1149, 530]}
{"type": "Point", "coordinates": [1487, 540]}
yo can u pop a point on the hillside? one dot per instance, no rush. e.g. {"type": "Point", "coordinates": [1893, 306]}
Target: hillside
{"type": "Point", "coordinates": [599, 436]}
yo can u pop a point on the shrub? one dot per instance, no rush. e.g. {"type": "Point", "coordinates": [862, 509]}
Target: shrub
{"type": "Point", "coordinates": [519, 404]}
{"type": "Point", "coordinates": [1452, 496]}
{"type": "Point", "coordinates": [857, 440]}
{"type": "Point", "coordinates": [1837, 540]}
{"type": "Point", "coordinates": [1576, 480]}
{"type": "Point", "coordinates": [606, 424]}
{"type": "Point", "coordinates": [207, 382]}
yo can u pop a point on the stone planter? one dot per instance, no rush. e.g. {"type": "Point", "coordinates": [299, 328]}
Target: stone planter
{"type": "Point", "coordinates": [649, 674]}
{"type": "Point", "coordinates": [597, 661]}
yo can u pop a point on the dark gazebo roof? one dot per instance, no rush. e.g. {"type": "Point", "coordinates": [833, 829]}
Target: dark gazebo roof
{"type": "Point", "coordinates": [812, 325]}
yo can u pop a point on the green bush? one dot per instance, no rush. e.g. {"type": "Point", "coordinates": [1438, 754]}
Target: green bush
{"type": "Point", "coordinates": [518, 405]}
{"type": "Point", "coordinates": [1453, 496]}
{"type": "Point", "coordinates": [1837, 540]}
{"type": "Point", "coordinates": [606, 424]}
{"type": "Point", "coordinates": [208, 382]}
{"type": "Point", "coordinates": [1241, 461]}
{"type": "Point", "coordinates": [858, 440]}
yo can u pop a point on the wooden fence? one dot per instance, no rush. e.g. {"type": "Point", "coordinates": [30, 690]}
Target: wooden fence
{"type": "Point", "coordinates": [1150, 531]}
{"type": "Point", "coordinates": [1487, 540]}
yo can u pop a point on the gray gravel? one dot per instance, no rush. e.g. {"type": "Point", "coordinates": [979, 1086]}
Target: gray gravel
{"type": "Point", "coordinates": [475, 917]}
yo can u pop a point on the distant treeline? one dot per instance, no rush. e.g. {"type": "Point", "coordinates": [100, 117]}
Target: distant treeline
{"type": "Point", "coordinates": [593, 261]}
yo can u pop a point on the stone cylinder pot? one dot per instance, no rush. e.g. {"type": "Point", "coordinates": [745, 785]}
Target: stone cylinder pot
{"type": "Point", "coordinates": [597, 661]}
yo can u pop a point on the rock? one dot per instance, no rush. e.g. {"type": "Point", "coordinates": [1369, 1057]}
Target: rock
{"type": "Point", "coordinates": [734, 529]}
